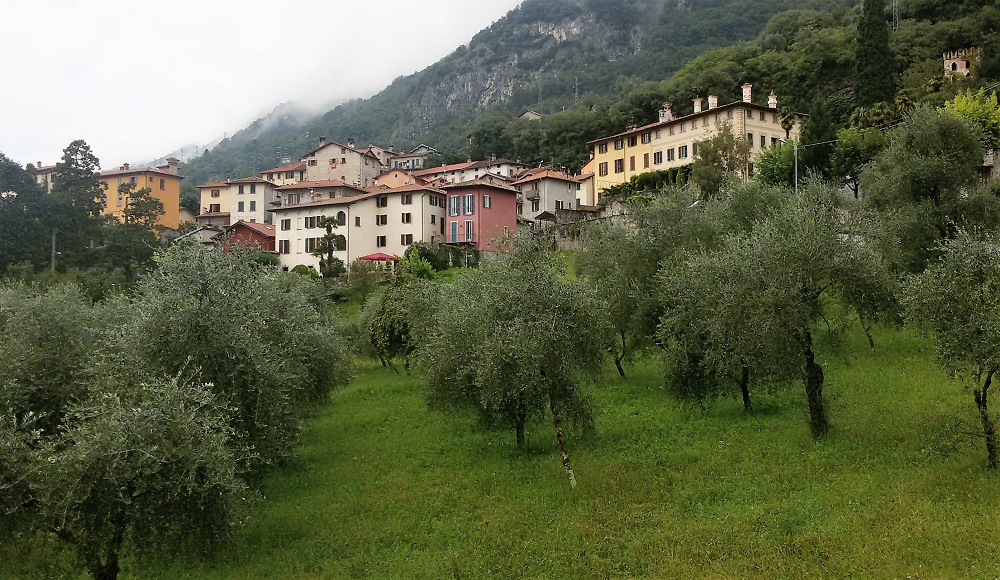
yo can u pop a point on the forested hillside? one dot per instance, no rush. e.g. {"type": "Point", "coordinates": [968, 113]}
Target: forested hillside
{"type": "Point", "coordinates": [547, 55]}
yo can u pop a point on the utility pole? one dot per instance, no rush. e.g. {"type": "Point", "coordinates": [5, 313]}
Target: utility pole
{"type": "Point", "coordinates": [895, 15]}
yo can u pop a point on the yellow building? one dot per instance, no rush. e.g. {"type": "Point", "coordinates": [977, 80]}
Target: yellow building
{"type": "Point", "coordinates": [164, 183]}
{"type": "Point", "coordinates": [673, 142]}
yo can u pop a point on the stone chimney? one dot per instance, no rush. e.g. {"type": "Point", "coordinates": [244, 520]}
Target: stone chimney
{"type": "Point", "coordinates": [713, 101]}
{"type": "Point", "coordinates": [322, 141]}
{"type": "Point", "coordinates": [174, 165]}
{"type": "Point", "coordinates": [350, 142]}
{"type": "Point", "coordinates": [666, 112]}
{"type": "Point", "coordinates": [772, 100]}
{"type": "Point", "coordinates": [697, 104]}
{"type": "Point", "coordinates": [747, 92]}
{"type": "Point", "coordinates": [124, 167]}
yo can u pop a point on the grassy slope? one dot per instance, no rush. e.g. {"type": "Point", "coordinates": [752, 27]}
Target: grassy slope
{"type": "Point", "coordinates": [383, 487]}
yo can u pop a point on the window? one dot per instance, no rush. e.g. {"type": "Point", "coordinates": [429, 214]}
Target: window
{"type": "Point", "coordinates": [131, 180]}
{"type": "Point", "coordinates": [289, 175]}
{"type": "Point", "coordinates": [407, 218]}
{"type": "Point", "coordinates": [298, 223]}
{"type": "Point", "coordinates": [382, 201]}
{"type": "Point", "coordinates": [214, 208]}
{"type": "Point", "coordinates": [253, 188]}
{"type": "Point", "coordinates": [506, 231]}
{"type": "Point", "coordinates": [298, 246]}
{"type": "Point", "coordinates": [253, 205]}
{"type": "Point", "coordinates": [602, 169]}
{"type": "Point", "coordinates": [534, 205]}
{"type": "Point", "coordinates": [341, 218]}
{"type": "Point", "coordinates": [292, 199]}
{"type": "Point", "coordinates": [406, 239]}
{"type": "Point", "coordinates": [559, 204]}
{"type": "Point", "coordinates": [239, 206]}
{"type": "Point", "coordinates": [310, 221]}
{"type": "Point", "coordinates": [487, 202]}
{"type": "Point", "coordinates": [163, 184]}
{"type": "Point", "coordinates": [312, 163]}
{"type": "Point", "coordinates": [762, 115]}
{"type": "Point", "coordinates": [619, 144]}
{"type": "Point", "coordinates": [694, 149]}
{"type": "Point", "coordinates": [215, 193]}
{"type": "Point", "coordinates": [750, 138]}
{"type": "Point", "coordinates": [433, 201]}
{"type": "Point", "coordinates": [729, 114]}
{"type": "Point", "coordinates": [718, 118]}
{"type": "Point", "coordinates": [657, 133]}
{"type": "Point", "coordinates": [704, 122]}
{"type": "Point", "coordinates": [453, 201]}
{"type": "Point", "coordinates": [343, 159]}
{"type": "Point", "coordinates": [602, 148]}
{"type": "Point", "coordinates": [433, 217]}
{"type": "Point", "coordinates": [763, 141]}
{"type": "Point", "coordinates": [774, 141]}
{"type": "Point", "coordinates": [619, 166]}
{"type": "Point", "coordinates": [670, 154]}
{"type": "Point", "coordinates": [120, 196]}
{"type": "Point", "coordinates": [647, 137]}
{"type": "Point", "coordinates": [379, 241]}
{"type": "Point", "coordinates": [645, 160]}
{"type": "Point", "coordinates": [381, 219]}
{"type": "Point", "coordinates": [468, 230]}
{"type": "Point", "coordinates": [631, 163]}
{"type": "Point", "coordinates": [406, 199]}
{"type": "Point", "coordinates": [454, 232]}
{"type": "Point", "coordinates": [284, 247]}
{"type": "Point", "coordinates": [469, 204]}
{"type": "Point", "coordinates": [241, 189]}
{"type": "Point", "coordinates": [357, 221]}
{"type": "Point", "coordinates": [683, 127]}
{"type": "Point", "coordinates": [682, 152]}
{"type": "Point", "coordinates": [632, 141]}
{"type": "Point", "coordinates": [286, 225]}
{"type": "Point", "coordinates": [310, 244]}
{"type": "Point", "coordinates": [520, 208]}
{"type": "Point", "coordinates": [671, 130]}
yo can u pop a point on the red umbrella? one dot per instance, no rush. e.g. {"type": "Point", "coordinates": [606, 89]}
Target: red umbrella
{"type": "Point", "coordinates": [379, 257]}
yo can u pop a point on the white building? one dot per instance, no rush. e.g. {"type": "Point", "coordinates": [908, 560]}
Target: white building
{"type": "Point", "coordinates": [545, 191]}
{"type": "Point", "coordinates": [332, 160]}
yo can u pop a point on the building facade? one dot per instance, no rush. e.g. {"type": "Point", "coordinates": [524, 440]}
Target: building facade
{"type": "Point", "coordinates": [286, 174]}
{"type": "Point", "coordinates": [164, 183]}
{"type": "Point", "coordinates": [336, 161]}
{"type": "Point", "coordinates": [481, 214]}
{"type": "Point", "coordinates": [673, 142]}
{"type": "Point", "coordinates": [544, 192]}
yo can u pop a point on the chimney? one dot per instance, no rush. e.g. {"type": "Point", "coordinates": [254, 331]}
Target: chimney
{"type": "Point", "coordinates": [173, 166]}
{"type": "Point", "coordinates": [713, 101]}
{"type": "Point", "coordinates": [39, 166]}
{"type": "Point", "coordinates": [772, 100]}
{"type": "Point", "coordinates": [322, 141]}
{"type": "Point", "coordinates": [350, 142]}
{"type": "Point", "coordinates": [124, 167]}
{"type": "Point", "coordinates": [697, 104]}
{"type": "Point", "coordinates": [747, 94]}
{"type": "Point", "coordinates": [666, 112]}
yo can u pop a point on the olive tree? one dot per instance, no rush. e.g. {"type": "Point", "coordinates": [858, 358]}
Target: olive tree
{"type": "Point", "coordinates": [955, 299]}
{"type": "Point", "coordinates": [513, 340]}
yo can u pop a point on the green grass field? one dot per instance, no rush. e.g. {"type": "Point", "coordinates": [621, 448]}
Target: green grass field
{"type": "Point", "coordinates": [384, 488]}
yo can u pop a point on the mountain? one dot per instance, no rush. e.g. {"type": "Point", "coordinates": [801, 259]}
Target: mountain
{"type": "Point", "coordinates": [545, 55]}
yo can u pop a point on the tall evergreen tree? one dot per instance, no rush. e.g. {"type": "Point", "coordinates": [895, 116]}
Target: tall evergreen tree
{"type": "Point", "coordinates": [78, 198]}
{"type": "Point", "coordinates": [874, 82]}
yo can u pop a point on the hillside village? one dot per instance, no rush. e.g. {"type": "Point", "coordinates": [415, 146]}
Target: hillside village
{"type": "Point", "coordinates": [384, 201]}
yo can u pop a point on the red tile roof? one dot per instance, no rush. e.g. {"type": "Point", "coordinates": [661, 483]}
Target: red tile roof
{"type": "Point", "coordinates": [251, 180]}
{"type": "Point", "coordinates": [549, 173]}
{"type": "Point", "coordinates": [118, 172]}
{"type": "Point", "coordinates": [317, 185]}
{"type": "Point", "coordinates": [216, 184]}
{"type": "Point", "coordinates": [263, 229]}
{"type": "Point", "coordinates": [293, 167]}
{"type": "Point", "coordinates": [444, 169]}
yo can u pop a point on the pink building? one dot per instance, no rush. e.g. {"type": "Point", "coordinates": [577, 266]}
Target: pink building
{"type": "Point", "coordinates": [480, 214]}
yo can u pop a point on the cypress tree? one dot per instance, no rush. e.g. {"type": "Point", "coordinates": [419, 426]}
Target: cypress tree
{"type": "Point", "coordinates": [874, 82]}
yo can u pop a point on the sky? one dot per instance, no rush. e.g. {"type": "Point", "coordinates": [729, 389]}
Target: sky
{"type": "Point", "coordinates": [137, 80]}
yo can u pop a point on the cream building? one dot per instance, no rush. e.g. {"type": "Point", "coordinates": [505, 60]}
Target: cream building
{"type": "Point", "coordinates": [673, 141]}
{"type": "Point", "coordinates": [332, 160]}
{"type": "Point", "coordinates": [544, 191]}
{"type": "Point", "coordinates": [387, 221]}
{"type": "Point", "coordinates": [286, 174]}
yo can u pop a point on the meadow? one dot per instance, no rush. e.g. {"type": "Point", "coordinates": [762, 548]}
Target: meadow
{"type": "Point", "coordinates": [383, 487]}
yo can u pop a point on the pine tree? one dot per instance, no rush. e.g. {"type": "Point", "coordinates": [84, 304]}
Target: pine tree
{"type": "Point", "coordinates": [874, 82]}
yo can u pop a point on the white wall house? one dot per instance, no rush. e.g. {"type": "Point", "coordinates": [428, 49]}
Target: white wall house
{"type": "Point", "coordinates": [332, 160]}
{"type": "Point", "coordinates": [545, 192]}
{"type": "Point", "coordinates": [387, 221]}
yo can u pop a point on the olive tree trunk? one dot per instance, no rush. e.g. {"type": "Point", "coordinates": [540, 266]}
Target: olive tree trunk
{"type": "Point", "coordinates": [814, 389]}
{"type": "Point", "coordinates": [989, 430]}
{"type": "Point", "coordinates": [557, 422]}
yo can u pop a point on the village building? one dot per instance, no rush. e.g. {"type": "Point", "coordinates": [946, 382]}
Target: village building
{"type": "Point", "coordinates": [163, 182]}
{"type": "Point", "coordinates": [286, 174]}
{"type": "Point", "coordinates": [251, 235]}
{"type": "Point", "coordinates": [43, 175]}
{"type": "Point", "coordinates": [251, 197]}
{"type": "Point", "coordinates": [673, 141]}
{"type": "Point", "coordinates": [336, 161]}
{"type": "Point", "coordinates": [543, 191]}
{"type": "Point", "coordinates": [398, 178]}
{"type": "Point", "coordinates": [481, 213]}
{"type": "Point", "coordinates": [386, 220]}
{"type": "Point", "coordinates": [961, 63]}
{"type": "Point", "coordinates": [412, 160]}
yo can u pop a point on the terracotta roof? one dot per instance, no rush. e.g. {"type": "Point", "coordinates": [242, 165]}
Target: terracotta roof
{"type": "Point", "coordinates": [489, 163]}
{"type": "Point", "coordinates": [293, 167]}
{"type": "Point", "coordinates": [137, 170]}
{"type": "Point", "coordinates": [211, 215]}
{"type": "Point", "coordinates": [684, 118]}
{"type": "Point", "coordinates": [251, 180]}
{"type": "Point", "coordinates": [216, 184]}
{"type": "Point", "coordinates": [368, 194]}
{"type": "Point", "coordinates": [316, 185]}
{"type": "Point", "coordinates": [443, 169]}
{"type": "Point", "coordinates": [263, 229]}
{"type": "Point", "coordinates": [549, 173]}
{"type": "Point", "coordinates": [411, 188]}
{"type": "Point", "coordinates": [362, 152]}
{"type": "Point", "coordinates": [478, 182]}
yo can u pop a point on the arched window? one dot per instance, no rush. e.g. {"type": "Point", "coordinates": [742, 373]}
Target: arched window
{"type": "Point", "coordinates": [341, 218]}
{"type": "Point", "coordinates": [954, 66]}
{"type": "Point", "coordinates": [339, 243]}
